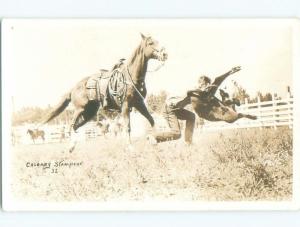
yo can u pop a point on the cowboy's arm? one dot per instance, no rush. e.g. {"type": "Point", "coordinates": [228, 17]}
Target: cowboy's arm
{"type": "Point", "coordinates": [194, 92]}
{"type": "Point", "coordinates": [184, 102]}
{"type": "Point", "coordinates": [199, 93]}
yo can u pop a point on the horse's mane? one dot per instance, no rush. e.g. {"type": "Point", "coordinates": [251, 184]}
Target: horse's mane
{"type": "Point", "coordinates": [136, 53]}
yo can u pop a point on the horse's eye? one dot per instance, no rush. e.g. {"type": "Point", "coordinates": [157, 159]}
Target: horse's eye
{"type": "Point", "coordinates": [150, 43]}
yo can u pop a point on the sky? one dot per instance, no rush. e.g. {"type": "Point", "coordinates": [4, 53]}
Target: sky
{"type": "Point", "coordinates": [43, 59]}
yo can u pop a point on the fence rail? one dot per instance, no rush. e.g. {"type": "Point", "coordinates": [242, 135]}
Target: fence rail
{"type": "Point", "coordinates": [273, 113]}
{"type": "Point", "coordinates": [53, 134]}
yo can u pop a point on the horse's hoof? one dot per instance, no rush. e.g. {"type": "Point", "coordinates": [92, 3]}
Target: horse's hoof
{"type": "Point", "coordinates": [253, 117]}
{"type": "Point", "coordinates": [151, 140]}
{"type": "Point", "coordinates": [71, 149]}
{"type": "Point", "coordinates": [188, 144]}
{"type": "Point", "coordinates": [129, 148]}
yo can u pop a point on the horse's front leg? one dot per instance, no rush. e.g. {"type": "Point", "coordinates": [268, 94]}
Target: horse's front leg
{"type": "Point", "coordinates": [141, 107]}
{"type": "Point", "coordinates": [126, 119]}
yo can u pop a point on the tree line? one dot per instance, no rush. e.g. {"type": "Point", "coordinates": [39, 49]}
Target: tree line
{"type": "Point", "coordinates": [155, 103]}
{"type": "Point", "coordinates": [36, 115]}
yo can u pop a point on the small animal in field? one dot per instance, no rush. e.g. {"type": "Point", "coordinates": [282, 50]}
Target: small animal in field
{"type": "Point", "coordinates": [35, 134]}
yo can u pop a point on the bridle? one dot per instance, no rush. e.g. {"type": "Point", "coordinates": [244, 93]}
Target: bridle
{"type": "Point", "coordinates": [160, 58]}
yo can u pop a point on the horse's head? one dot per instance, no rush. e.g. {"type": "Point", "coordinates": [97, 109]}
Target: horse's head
{"type": "Point", "coordinates": [224, 95]}
{"type": "Point", "coordinates": [152, 50]}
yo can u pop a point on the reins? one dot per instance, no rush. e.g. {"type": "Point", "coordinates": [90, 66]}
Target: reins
{"type": "Point", "coordinates": [132, 83]}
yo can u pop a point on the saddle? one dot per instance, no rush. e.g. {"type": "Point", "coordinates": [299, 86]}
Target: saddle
{"type": "Point", "coordinates": [96, 84]}
{"type": "Point", "coordinates": [108, 87]}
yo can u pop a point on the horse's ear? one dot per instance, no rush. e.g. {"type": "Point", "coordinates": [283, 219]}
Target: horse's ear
{"type": "Point", "coordinates": [143, 36]}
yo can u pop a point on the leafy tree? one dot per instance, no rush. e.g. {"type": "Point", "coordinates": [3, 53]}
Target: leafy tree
{"type": "Point", "coordinates": [37, 114]}
{"type": "Point", "coordinates": [240, 93]}
{"type": "Point", "coordinates": [156, 102]}
{"type": "Point", "coordinates": [264, 97]}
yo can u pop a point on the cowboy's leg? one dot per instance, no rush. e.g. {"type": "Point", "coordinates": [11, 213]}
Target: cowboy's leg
{"type": "Point", "coordinates": [189, 117]}
{"type": "Point", "coordinates": [174, 129]}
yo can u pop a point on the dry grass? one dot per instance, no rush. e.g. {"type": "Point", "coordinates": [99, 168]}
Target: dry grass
{"type": "Point", "coordinates": [232, 165]}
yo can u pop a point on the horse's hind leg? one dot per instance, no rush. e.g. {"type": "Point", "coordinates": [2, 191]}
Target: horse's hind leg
{"type": "Point", "coordinates": [234, 116]}
{"type": "Point", "coordinates": [81, 117]}
{"type": "Point", "coordinates": [74, 126]}
{"type": "Point", "coordinates": [249, 116]}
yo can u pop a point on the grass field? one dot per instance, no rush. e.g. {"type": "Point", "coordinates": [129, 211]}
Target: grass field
{"type": "Point", "coordinates": [231, 165]}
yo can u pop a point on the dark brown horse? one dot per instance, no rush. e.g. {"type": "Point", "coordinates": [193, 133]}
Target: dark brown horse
{"type": "Point", "coordinates": [213, 109]}
{"type": "Point", "coordinates": [133, 87]}
{"type": "Point", "coordinates": [35, 134]}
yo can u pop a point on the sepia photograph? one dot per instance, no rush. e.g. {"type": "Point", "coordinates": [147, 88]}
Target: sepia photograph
{"type": "Point", "coordinates": [149, 114]}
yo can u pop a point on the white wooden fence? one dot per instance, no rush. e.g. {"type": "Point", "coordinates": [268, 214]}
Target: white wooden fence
{"type": "Point", "coordinates": [273, 113]}
{"type": "Point", "coordinates": [53, 133]}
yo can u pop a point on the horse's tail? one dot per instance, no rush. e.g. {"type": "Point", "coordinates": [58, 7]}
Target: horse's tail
{"type": "Point", "coordinates": [59, 108]}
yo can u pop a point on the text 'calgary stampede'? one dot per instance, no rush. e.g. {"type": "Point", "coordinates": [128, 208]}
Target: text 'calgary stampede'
{"type": "Point", "coordinates": [53, 164]}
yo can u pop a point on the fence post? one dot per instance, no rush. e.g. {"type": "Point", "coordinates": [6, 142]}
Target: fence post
{"type": "Point", "coordinates": [290, 108]}
{"type": "Point", "coordinates": [274, 111]}
{"type": "Point", "coordinates": [246, 110]}
{"type": "Point", "coordinates": [246, 105]}
{"type": "Point", "coordinates": [259, 111]}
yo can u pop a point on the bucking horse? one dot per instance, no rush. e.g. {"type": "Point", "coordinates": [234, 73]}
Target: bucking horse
{"type": "Point", "coordinates": [121, 89]}
{"type": "Point", "coordinates": [211, 108]}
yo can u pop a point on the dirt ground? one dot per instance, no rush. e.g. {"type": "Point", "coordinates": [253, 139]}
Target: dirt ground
{"type": "Point", "coordinates": [232, 165]}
